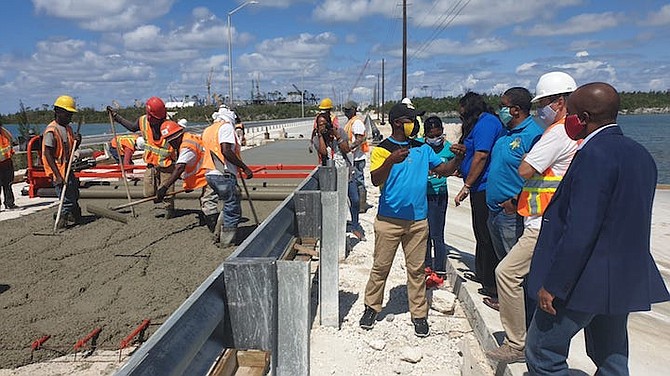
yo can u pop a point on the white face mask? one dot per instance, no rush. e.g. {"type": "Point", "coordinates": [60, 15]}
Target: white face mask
{"type": "Point", "coordinates": [547, 114]}
{"type": "Point", "coordinates": [435, 141]}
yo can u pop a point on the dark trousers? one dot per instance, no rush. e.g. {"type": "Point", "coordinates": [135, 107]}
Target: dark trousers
{"type": "Point", "coordinates": [437, 216]}
{"type": "Point", "coordinates": [486, 260]}
{"type": "Point", "coordinates": [6, 179]}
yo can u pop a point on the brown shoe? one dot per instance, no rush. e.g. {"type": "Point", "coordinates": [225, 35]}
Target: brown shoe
{"type": "Point", "coordinates": [507, 354]}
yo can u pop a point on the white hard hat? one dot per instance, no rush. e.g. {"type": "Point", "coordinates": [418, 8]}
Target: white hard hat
{"type": "Point", "coordinates": [224, 114]}
{"type": "Point", "coordinates": [139, 143]}
{"type": "Point", "coordinates": [408, 103]}
{"type": "Point", "coordinates": [553, 83]}
{"type": "Point", "coordinates": [182, 122]}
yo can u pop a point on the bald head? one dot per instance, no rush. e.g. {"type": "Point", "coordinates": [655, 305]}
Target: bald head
{"type": "Point", "coordinates": [597, 102]}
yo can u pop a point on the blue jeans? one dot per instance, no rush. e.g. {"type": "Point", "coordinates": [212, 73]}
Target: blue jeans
{"type": "Point", "coordinates": [505, 229]}
{"type": "Point", "coordinates": [359, 176]}
{"type": "Point", "coordinates": [548, 341]}
{"type": "Point", "coordinates": [226, 188]}
{"type": "Point", "coordinates": [354, 204]}
{"type": "Point", "coordinates": [71, 199]}
{"type": "Point", "coordinates": [437, 211]}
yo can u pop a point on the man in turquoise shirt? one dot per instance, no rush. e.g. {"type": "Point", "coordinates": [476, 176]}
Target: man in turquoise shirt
{"type": "Point", "coordinates": [504, 181]}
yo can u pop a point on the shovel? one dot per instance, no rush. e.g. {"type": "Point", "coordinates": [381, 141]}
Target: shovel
{"type": "Point", "coordinates": [113, 215]}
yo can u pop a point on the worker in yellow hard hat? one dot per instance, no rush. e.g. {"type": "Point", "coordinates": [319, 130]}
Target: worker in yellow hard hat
{"type": "Point", "coordinates": [58, 141]}
{"type": "Point", "coordinates": [325, 107]}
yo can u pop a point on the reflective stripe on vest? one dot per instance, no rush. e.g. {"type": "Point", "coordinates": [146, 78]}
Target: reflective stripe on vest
{"type": "Point", "coordinates": [60, 157]}
{"type": "Point", "coordinates": [194, 174]}
{"type": "Point", "coordinates": [539, 189]}
{"type": "Point", "coordinates": [127, 141]}
{"type": "Point", "coordinates": [158, 154]}
{"type": "Point", "coordinates": [6, 149]}
{"type": "Point", "coordinates": [349, 128]}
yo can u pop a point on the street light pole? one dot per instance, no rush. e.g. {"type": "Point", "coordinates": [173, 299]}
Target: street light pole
{"type": "Point", "coordinates": [230, 50]}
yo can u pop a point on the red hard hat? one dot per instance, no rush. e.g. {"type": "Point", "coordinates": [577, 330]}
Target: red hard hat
{"type": "Point", "coordinates": [156, 108]}
{"type": "Point", "coordinates": [171, 130]}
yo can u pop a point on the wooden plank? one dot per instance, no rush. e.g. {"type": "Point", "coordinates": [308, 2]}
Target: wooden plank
{"type": "Point", "coordinates": [226, 365]}
{"type": "Point", "coordinates": [253, 358]}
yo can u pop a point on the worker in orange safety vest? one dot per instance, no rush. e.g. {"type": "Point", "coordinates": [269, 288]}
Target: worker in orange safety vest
{"type": "Point", "coordinates": [6, 167]}
{"type": "Point", "coordinates": [189, 167]}
{"type": "Point", "coordinates": [357, 133]}
{"type": "Point", "coordinates": [58, 141]}
{"type": "Point", "coordinates": [158, 154]}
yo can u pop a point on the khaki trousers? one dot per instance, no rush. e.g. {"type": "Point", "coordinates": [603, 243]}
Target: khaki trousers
{"type": "Point", "coordinates": [153, 176]}
{"type": "Point", "coordinates": [413, 235]}
{"type": "Point", "coordinates": [510, 274]}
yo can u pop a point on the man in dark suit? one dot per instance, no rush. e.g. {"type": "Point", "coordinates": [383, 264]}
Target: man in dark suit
{"type": "Point", "coordinates": [592, 265]}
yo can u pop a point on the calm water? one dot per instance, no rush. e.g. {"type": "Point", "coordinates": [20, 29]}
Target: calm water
{"type": "Point", "coordinates": [652, 131]}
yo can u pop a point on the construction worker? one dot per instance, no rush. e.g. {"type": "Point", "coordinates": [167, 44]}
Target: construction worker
{"type": "Point", "coordinates": [6, 167]}
{"type": "Point", "coordinates": [355, 129]}
{"type": "Point", "coordinates": [222, 162]}
{"type": "Point", "coordinates": [58, 140]}
{"type": "Point", "coordinates": [188, 166]}
{"type": "Point", "coordinates": [129, 144]}
{"type": "Point", "coordinates": [326, 106]}
{"type": "Point", "coordinates": [158, 154]}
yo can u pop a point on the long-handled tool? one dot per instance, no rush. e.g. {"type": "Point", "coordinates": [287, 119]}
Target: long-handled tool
{"type": "Point", "coordinates": [68, 171]}
{"type": "Point", "coordinates": [123, 169]}
{"type": "Point", "coordinates": [112, 214]}
{"type": "Point", "coordinates": [251, 202]}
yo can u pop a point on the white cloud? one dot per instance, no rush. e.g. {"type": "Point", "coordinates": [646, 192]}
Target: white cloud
{"type": "Point", "coordinates": [580, 24]}
{"type": "Point", "coordinates": [583, 53]}
{"type": "Point", "coordinates": [525, 67]}
{"type": "Point", "coordinates": [659, 18]}
{"type": "Point", "coordinates": [452, 47]}
{"type": "Point", "coordinates": [590, 70]}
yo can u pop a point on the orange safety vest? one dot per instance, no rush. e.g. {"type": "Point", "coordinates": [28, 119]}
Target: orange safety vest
{"type": "Point", "coordinates": [538, 190]}
{"type": "Point", "coordinates": [210, 139]}
{"type": "Point", "coordinates": [194, 174]}
{"type": "Point", "coordinates": [349, 128]}
{"type": "Point", "coordinates": [6, 150]}
{"type": "Point", "coordinates": [127, 141]}
{"type": "Point", "coordinates": [60, 156]}
{"type": "Point", "coordinates": [158, 153]}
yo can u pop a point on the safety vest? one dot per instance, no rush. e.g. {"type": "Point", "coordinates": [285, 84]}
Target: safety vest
{"type": "Point", "coordinates": [210, 139]}
{"type": "Point", "coordinates": [60, 156]}
{"type": "Point", "coordinates": [538, 190]}
{"type": "Point", "coordinates": [194, 174]}
{"type": "Point", "coordinates": [158, 153]}
{"type": "Point", "coordinates": [349, 128]}
{"type": "Point", "coordinates": [6, 150]}
{"type": "Point", "coordinates": [127, 141]}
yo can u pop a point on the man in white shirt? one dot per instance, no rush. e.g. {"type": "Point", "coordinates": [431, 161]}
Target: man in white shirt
{"type": "Point", "coordinates": [356, 131]}
{"type": "Point", "coordinates": [543, 168]}
{"type": "Point", "coordinates": [222, 161]}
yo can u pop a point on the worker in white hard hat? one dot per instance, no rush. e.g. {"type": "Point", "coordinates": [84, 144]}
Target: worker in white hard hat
{"type": "Point", "coordinates": [543, 168]}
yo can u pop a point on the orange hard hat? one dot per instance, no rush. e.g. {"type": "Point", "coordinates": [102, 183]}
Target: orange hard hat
{"type": "Point", "coordinates": [171, 130]}
{"type": "Point", "coordinates": [156, 108]}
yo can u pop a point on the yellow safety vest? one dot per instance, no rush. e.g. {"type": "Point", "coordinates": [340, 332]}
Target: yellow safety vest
{"type": "Point", "coordinates": [157, 153]}
{"type": "Point", "coordinates": [6, 150]}
{"type": "Point", "coordinates": [127, 141]}
{"type": "Point", "coordinates": [194, 174]}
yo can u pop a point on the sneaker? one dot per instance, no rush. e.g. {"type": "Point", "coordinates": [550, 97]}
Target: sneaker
{"type": "Point", "coordinates": [368, 319]}
{"type": "Point", "coordinates": [11, 207]}
{"type": "Point", "coordinates": [506, 354]}
{"type": "Point", "coordinates": [421, 328]}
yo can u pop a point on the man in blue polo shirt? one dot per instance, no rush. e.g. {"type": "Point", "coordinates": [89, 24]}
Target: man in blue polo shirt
{"type": "Point", "coordinates": [399, 166]}
{"type": "Point", "coordinates": [505, 183]}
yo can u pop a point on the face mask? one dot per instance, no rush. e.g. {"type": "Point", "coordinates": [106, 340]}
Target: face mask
{"type": "Point", "coordinates": [504, 115]}
{"type": "Point", "coordinates": [410, 129]}
{"type": "Point", "coordinates": [435, 141]}
{"type": "Point", "coordinates": [574, 126]}
{"type": "Point", "coordinates": [546, 114]}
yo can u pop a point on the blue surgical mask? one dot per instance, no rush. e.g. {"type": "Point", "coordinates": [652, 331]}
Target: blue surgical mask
{"type": "Point", "coordinates": [435, 141]}
{"type": "Point", "coordinates": [505, 115]}
{"type": "Point", "coordinates": [546, 114]}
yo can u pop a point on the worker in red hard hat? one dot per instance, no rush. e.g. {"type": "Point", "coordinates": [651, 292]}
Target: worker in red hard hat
{"type": "Point", "coordinates": [188, 167]}
{"type": "Point", "coordinates": [158, 154]}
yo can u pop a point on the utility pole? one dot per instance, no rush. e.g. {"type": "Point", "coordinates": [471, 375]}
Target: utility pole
{"type": "Point", "coordinates": [404, 48]}
{"type": "Point", "coordinates": [382, 106]}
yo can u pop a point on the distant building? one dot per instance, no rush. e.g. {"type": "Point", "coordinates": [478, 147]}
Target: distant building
{"type": "Point", "coordinates": [180, 104]}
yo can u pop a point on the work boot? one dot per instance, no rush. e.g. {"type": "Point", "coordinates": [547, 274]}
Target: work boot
{"type": "Point", "coordinates": [368, 319]}
{"type": "Point", "coordinates": [421, 328]}
{"type": "Point", "coordinates": [227, 236]}
{"type": "Point", "coordinates": [76, 215]}
{"type": "Point", "coordinates": [506, 354]}
{"type": "Point", "coordinates": [210, 221]}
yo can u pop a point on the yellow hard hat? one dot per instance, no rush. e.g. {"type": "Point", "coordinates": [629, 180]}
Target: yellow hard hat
{"type": "Point", "coordinates": [66, 102]}
{"type": "Point", "coordinates": [326, 104]}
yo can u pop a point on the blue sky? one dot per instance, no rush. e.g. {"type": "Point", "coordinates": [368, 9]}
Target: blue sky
{"type": "Point", "coordinates": [122, 50]}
